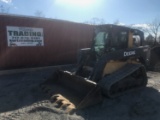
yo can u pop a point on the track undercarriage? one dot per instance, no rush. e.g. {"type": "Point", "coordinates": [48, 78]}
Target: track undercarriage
{"type": "Point", "coordinates": [130, 77]}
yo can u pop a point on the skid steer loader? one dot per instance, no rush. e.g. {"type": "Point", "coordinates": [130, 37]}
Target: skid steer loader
{"type": "Point", "coordinates": [114, 65]}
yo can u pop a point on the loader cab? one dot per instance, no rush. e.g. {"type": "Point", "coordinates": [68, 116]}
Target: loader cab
{"type": "Point", "coordinates": [138, 38]}
{"type": "Point", "coordinates": [100, 41]}
{"type": "Point", "coordinates": [110, 38]}
{"type": "Point", "coordinates": [107, 38]}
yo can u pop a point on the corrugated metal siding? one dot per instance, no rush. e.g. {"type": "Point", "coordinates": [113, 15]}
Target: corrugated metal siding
{"type": "Point", "coordinates": [62, 40]}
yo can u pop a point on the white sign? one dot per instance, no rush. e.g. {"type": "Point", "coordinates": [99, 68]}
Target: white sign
{"type": "Point", "coordinates": [24, 36]}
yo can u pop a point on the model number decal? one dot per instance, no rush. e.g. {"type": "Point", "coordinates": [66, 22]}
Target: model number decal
{"type": "Point", "coordinates": [129, 53]}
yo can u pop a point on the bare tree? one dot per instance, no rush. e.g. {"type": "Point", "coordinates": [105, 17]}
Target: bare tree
{"type": "Point", "coordinates": [152, 29]}
{"type": "Point", "coordinates": [155, 28]}
{"type": "Point", "coordinates": [39, 13]}
{"type": "Point", "coordinates": [150, 40]}
{"type": "Point", "coordinates": [116, 22]}
{"type": "Point", "coordinates": [95, 21]}
{"type": "Point", "coordinates": [4, 9]}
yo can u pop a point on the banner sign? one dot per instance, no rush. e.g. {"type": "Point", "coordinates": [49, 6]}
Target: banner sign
{"type": "Point", "coordinates": [24, 36]}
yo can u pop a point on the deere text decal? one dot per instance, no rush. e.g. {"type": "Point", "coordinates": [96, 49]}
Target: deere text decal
{"type": "Point", "coordinates": [24, 36]}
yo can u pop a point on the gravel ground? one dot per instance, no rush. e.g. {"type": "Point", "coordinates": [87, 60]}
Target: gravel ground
{"type": "Point", "coordinates": [22, 99]}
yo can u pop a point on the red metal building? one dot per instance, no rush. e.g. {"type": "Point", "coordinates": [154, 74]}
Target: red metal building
{"type": "Point", "coordinates": [61, 42]}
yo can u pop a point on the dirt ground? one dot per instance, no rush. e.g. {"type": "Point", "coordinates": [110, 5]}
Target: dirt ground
{"type": "Point", "coordinates": [22, 99]}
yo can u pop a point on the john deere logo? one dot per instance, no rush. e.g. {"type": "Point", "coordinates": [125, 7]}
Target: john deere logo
{"type": "Point", "coordinates": [129, 53]}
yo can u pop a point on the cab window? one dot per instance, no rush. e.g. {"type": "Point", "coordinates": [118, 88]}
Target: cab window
{"type": "Point", "coordinates": [100, 41]}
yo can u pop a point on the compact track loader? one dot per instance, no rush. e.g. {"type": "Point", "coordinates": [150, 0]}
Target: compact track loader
{"type": "Point", "coordinates": [114, 65]}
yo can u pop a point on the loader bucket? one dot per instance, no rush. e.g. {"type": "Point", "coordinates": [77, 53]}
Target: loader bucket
{"type": "Point", "coordinates": [72, 92]}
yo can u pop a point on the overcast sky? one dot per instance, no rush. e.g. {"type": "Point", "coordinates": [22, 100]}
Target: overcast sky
{"type": "Point", "coordinates": [126, 11]}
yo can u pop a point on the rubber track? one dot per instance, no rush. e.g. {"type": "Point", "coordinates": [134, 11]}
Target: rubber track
{"type": "Point", "coordinates": [127, 70]}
